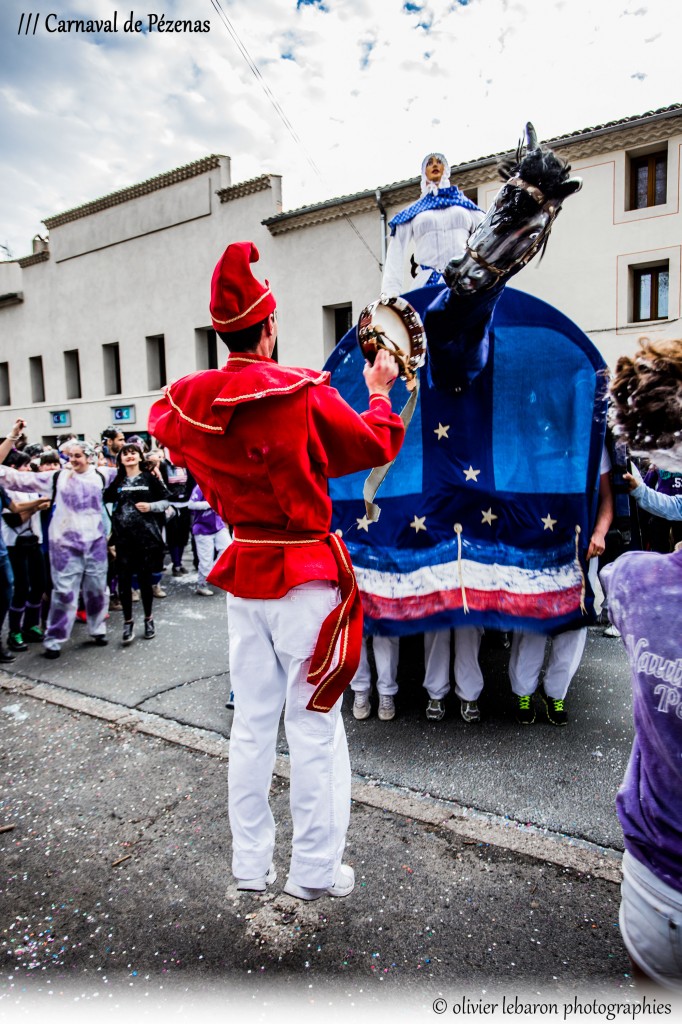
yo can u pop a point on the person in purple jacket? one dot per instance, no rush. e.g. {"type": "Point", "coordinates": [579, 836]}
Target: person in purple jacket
{"type": "Point", "coordinates": [645, 603]}
{"type": "Point", "coordinates": [211, 537]}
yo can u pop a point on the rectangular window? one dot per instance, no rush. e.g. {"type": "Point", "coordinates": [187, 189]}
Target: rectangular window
{"type": "Point", "coordinates": [648, 180]}
{"type": "Point", "coordinates": [35, 365]}
{"type": "Point", "coordinates": [206, 346]}
{"type": "Point", "coordinates": [650, 293]}
{"type": "Point", "coordinates": [336, 321]}
{"type": "Point", "coordinates": [112, 369]}
{"type": "Point", "coordinates": [72, 371]}
{"type": "Point", "coordinates": [156, 362]}
{"type": "Point", "coordinates": [5, 397]}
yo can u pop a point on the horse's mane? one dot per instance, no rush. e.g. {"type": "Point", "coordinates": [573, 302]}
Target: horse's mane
{"type": "Point", "coordinates": [539, 167]}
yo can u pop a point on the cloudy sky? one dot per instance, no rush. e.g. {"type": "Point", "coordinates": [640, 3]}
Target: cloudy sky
{"type": "Point", "coordinates": [367, 87]}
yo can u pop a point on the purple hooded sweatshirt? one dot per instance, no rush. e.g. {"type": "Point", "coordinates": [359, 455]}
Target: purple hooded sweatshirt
{"type": "Point", "coordinates": [645, 603]}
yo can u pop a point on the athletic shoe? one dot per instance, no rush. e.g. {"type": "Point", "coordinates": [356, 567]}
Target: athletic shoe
{"type": "Point", "coordinates": [435, 712]}
{"type": "Point", "coordinates": [179, 570]}
{"type": "Point", "coordinates": [128, 633]}
{"type": "Point", "coordinates": [6, 657]}
{"type": "Point", "coordinates": [158, 591]}
{"type": "Point", "coordinates": [343, 886]}
{"type": "Point", "coordinates": [204, 592]}
{"type": "Point", "coordinates": [556, 712]}
{"type": "Point", "coordinates": [149, 631]}
{"type": "Point", "coordinates": [230, 700]}
{"type": "Point", "coordinates": [386, 708]}
{"type": "Point", "coordinates": [115, 604]}
{"type": "Point", "coordinates": [50, 652]}
{"type": "Point", "coordinates": [525, 709]}
{"type": "Point", "coordinates": [470, 711]}
{"type": "Point", "coordinates": [361, 706]}
{"type": "Point", "coordinates": [611, 630]}
{"type": "Point", "coordinates": [33, 635]}
{"type": "Point", "coordinates": [100, 640]}
{"type": "Point", "coordinates": [15, 642]}
{"type": "Point", "coordinates": [257, 884]}
{"type": "Point", "coordinates": [135, 595]}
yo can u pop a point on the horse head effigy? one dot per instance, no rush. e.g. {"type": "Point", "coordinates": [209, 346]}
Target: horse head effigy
{"type": "Point", "coordinates": [517, 225]}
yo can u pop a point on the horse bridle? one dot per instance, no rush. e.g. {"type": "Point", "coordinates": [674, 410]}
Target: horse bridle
{"type": "Point", "coordinates": [535, 193]}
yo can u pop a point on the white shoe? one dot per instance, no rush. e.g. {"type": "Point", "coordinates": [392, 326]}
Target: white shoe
{"type": "Point", "coordinates": [470, 710]}
{"type": "Point", "coordinates": [136, 595]}
{"type": "Point", "coordinates": [204, 592]}
{"type": "Point", "coordinates": [361, 706]}
{"type": "Point", "coordinates": [343, 886]}
{"type": "Point", "coordinates": [386, 707]}
{"type": "Point", "coordinates": [257, 884]}
{"type": "Point", "coordinates": [158, 591]}
{"type": "Point", "coordinates": [435, 711]}
{"type": "Point", "coordinates": [611, 630]}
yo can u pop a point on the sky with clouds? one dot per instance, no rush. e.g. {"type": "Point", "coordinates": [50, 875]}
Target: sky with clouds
{"type": "Point", "coordinates": [367, 86]}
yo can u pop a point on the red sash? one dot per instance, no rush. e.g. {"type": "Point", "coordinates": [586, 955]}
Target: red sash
{"type": "Point", "coordinates": [341, 629]}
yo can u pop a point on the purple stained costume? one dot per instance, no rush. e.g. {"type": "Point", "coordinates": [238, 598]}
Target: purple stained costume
{"type": "Point", "coordinates": [78, 545]}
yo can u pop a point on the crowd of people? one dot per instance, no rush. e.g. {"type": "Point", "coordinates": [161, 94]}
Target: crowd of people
{"type": "Point", "coordinates": [85, 530]}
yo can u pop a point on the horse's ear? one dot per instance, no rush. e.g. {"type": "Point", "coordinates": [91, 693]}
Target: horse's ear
{"type": "Point", "coordinates": [531, 137]}
{"type": "Point", "coordinates": [568, 187]}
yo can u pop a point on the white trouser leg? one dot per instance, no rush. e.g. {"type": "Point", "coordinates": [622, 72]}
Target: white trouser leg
{"type": "Point", "coordinates": [525, 662]}
{"type": "Point", "coordinates": [362, 680]}
{"type": "Point", "coordinates": [271, 646]}
{"type": "Point", "coordinates": [468, 675]}
{"type": "Point", "coordinates": [205, 556]}
{"type": "Point", "coordinates": [259, 685]}
{"type": "Point", "coordinates": [564, 659]}
{"type": "Point", "coordinates": [437, 663]}
{"type": "Point", "coordinates": [386, 652]}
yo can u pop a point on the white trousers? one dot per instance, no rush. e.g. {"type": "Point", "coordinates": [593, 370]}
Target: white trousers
{"type": "Point", "coordinates": [73, 572]}
{"type": "Point", "coordinates": [468, 675]}
{"type": "Point", "coordinates": [271, 643]}
{"type": "Point", "coordinates": [210, 547]}
{"type": "Point", "coordinates": [386, 650]}
{"type": "Point", "coordinates": [528, 654]}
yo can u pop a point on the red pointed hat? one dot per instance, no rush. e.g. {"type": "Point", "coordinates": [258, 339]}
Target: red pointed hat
{"type": "Point", "coordinates": [238, 299]}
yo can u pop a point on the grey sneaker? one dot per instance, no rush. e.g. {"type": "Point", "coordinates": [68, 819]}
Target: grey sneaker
{"type": "Point", "coordinates": [361, 706]}
{"type": "Point", "coordinates": [386, 708]}
{"type": "Point", "coordinates": [257, 884]}
{"type": "Point", "coordinates": [343, 886]}
{"type": "Point", "coordinates": [470, 710]}
{"type": "Point", "coordinates": [204, 592]}
{"type": "Point", "coordinates": [611, 630]}
{"type": "Point", "coordinates": [435, 712]}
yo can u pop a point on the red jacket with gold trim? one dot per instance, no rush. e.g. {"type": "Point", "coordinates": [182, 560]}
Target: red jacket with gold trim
{"type": "Point", "coordinates": [261, 440]}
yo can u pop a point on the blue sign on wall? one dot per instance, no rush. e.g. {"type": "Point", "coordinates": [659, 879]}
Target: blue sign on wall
{"type": "Point", "coordinates": [62, 418]}
{"type": "Point", "coordinates": [123, 413]}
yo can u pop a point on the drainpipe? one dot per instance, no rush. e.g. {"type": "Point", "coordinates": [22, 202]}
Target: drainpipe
{"type": "Point", "coordinates": [382, 211]}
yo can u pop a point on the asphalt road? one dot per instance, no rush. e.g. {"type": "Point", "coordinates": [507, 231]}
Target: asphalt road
{"type": "Point", "coordinates": [562, 779]}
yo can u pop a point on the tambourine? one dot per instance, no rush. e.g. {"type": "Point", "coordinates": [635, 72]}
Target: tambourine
{"type": "Point", "coordinates": [392, 323]}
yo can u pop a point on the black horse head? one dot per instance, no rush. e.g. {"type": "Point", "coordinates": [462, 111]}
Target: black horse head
{"type": "Point", "coordinates": [517, 225]}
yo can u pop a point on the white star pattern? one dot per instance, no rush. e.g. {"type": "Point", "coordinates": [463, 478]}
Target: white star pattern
{"type": "Point", "coordinates": [417, 523]}
{"type": "Point", "coordinates": [471, 474]}
{"type": "Point", "coordinates": [549, 523]}
{"type": "Point", "coordinates": [488, 516]}
{"type": "Point", "coordinates": [363, 524]}
{"type": "Point", "coordinates": [442, 431]}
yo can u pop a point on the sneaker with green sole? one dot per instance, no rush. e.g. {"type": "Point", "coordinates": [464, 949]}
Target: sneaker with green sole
{"type": "Point", "coordinates": [15, 642]}
{"type": "Point", "coordinates": [556, 712]}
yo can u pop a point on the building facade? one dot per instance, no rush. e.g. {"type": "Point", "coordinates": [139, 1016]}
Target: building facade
{"type": "Point", "coordinates": [100, 317]}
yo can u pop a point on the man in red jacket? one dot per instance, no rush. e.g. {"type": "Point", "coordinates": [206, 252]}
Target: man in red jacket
{"type": "Point", "coordinates": [261, 440]}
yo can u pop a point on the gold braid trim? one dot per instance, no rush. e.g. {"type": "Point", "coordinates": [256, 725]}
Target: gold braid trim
{"type": "Point", "coordinates": [272, 391]}
{"type": "Point", "coordinates": [341, 611]}
{"type": "Point", "coordinates": [322, 689]}
{"type": "Point", "coordinates": [195, 423]}
{"type": "Point", "coordinates": [240, 316]}
{"type": "Point", "coordinates": [278, 543]}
